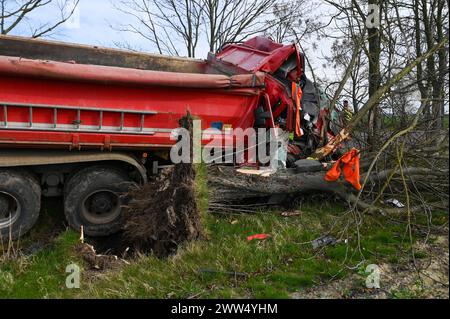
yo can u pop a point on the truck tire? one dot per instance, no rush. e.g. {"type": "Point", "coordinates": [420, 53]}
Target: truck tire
{"type": "Point", "coordinates": [93, 198]}
{"type": "Point", "coordinates": [20, 203]}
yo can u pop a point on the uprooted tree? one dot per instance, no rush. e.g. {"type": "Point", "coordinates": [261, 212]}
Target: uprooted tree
{"type": "Point", "coordinates": [163, 213]}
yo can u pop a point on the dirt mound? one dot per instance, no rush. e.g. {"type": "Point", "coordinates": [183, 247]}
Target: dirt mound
{"type": "Point", "coordinates": [95, 261]}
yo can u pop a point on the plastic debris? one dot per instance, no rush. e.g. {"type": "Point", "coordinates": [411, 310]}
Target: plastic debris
{"type": "Point", "coordinates": [258, 236]}
{"type": "Point", "coordinates": [395, 202]}
{"type": "Point", "coordinates": [323, 241]}
{"type": "Point", "coordinates": [291, 213]}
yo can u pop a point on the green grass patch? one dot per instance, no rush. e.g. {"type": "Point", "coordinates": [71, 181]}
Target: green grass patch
{"type": "Point", "coordinates": [42, 275]}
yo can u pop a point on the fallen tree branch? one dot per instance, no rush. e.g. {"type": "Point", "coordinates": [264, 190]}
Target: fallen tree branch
{"type": "Point", "coordinates": [234, 191]}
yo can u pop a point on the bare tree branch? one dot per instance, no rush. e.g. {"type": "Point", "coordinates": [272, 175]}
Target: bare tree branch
{"type": "Point", "coordinates": [15, 13]}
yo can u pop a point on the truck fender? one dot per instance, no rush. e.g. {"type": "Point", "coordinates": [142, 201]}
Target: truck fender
{"type": "Point", "coordinates": [17, 158]}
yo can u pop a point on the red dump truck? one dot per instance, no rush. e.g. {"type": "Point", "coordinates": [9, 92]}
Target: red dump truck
{"type": "Point", "coordinates": [84, 122]}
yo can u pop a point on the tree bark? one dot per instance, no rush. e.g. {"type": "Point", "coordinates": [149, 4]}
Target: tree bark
{"type": "Point", "coordinates": [228, 186]}
{"type": "Point", "coordinates": [374, 78]}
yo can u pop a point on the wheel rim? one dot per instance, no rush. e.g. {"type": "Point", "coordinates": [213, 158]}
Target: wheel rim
{"type": "Point", "coordinates": [9, 210]}
{"type": "Point", "coordinates": [101, 207]}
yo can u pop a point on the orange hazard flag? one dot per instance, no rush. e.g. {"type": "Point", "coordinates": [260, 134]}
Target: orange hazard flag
{"type": "Point", "coordinates": [350, 161]}
{"type": "Point", "coordinates": [297, 96]}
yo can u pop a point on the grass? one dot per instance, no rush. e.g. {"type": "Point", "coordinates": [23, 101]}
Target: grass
{"type": "Point", "coordinates": [273, 268]}
{"type": "Point", "coordinates": [42, 275]}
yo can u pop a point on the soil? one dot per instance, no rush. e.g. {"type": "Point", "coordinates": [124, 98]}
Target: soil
{"type": "Point", "coordinates": [96, 265]}
{"type": "Point", "coordinates": [426, 278]}
{"type": "Point", "coordinates": [96, 261]}
{"type": "Point", "coordinates": [163, 213]}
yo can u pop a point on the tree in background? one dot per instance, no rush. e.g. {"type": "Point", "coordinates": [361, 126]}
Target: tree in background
{"type": "Point", "coordinates": [430, 27]}
{"type": "Point", "coordinates": [373, 55]}
{"type": "Point", "coordinates": [406, 30]}
{"type": "Point", "coordinates": [176, 27]}
{"type": "Point", "coordinates": [234, 20]}
{"type": "Point", "coordinates": [14, 13]}
{"type": "Point", "coordinates": [164, 23]}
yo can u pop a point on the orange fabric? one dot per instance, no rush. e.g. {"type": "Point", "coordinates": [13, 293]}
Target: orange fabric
{"type": "Point", "coordinates": [258, 236]}
{"type": "Point", "coordinates": [297, 96]}
{"type": "Point", "coordinates": [350, 161]}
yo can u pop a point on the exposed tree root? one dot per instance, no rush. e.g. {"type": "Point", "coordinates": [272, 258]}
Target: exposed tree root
{"type": "Point", "coordinates": [164, 212]}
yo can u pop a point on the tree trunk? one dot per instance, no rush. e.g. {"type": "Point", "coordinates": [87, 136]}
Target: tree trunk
{"type": "Point", "coordinates": [374, 78]}
{"type": "Point", "coordinates": [442, 65]}
{"type": "Point", "coordinates": [423, 89]}
{"type": "Point", "coordinates": [230, 188]}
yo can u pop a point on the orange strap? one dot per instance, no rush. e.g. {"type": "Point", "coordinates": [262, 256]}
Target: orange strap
{"type": "Point", "coordinates": [297, 96]}
{"type": "Point", "coordinates": [350, 161]}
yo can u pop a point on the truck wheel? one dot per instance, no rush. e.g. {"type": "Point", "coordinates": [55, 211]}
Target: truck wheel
{"type": "Point", "coordinates": [20, 203]}
{"type": "Point", "coordinates": [93, 199]}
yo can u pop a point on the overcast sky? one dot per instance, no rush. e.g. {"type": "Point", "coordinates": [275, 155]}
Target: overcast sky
{"type": "Point", "coordinates": [89, 25]}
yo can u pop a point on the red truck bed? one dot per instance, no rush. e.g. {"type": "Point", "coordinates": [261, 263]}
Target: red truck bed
{"type": "Point", "coordinates": [55, 95]}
